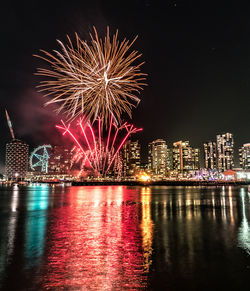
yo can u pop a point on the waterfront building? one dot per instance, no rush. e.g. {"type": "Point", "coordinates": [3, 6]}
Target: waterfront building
{"type": "Point", "coordinates": [243, 174]}
{"type": "Point", "coordinates": [185, 158]}
{"type": "Point", "coordinates": [195, 158]}
{"type": "Point", "coordinates": [157, 157]}
{"type": "Point", "coordinates": [60, 160]}
{"type": "Point", "coordinates": [229, 175]}
{"type": "Point", "coordinates": [210, 155]}
{"type": "Point", "coordinates": [169, 159]}
{"type": "Point", "coordinates": [244, 156]}
{"type": "Point", "coordinates": [16, 159]}
{"type": "Point", "coordinates": [131, 158]}
{"type": "Point", "coordinates": [206, 174]}
{"type": "Point", "coordinates": [178, 156]}
{"type": "Point", "coordinates": [225, 151]}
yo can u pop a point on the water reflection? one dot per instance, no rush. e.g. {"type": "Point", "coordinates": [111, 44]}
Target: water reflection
{"type": "Point", "coordinates": [244, 230]}
{"type": "Point", "coordinates": [35, 223]}
{"type": "Point", "coordinates": [12, 221]}
{"type": "Point", "coordinates": [191, 226]}
{"type": "Point", "coordinates": [7, 241]}
{"type": "Point", "coordinates": [147, 227]}
{"type": "Point", "coordinates": [95, 242]}
{"type": "Point", "coordinates": [116, 238]}
{"type": "Point", "coordinates": [190, 203]}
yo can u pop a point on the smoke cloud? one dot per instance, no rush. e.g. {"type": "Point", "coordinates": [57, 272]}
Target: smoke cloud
{"type": "Point", "coordinates": [36, 123]}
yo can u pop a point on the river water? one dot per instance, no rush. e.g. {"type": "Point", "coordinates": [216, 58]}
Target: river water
{"type": "Point", "coordinates": [124, 238]}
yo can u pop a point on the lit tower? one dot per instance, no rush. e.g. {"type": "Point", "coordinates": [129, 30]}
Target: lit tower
{"type": "Point", "coordinates": [157, 157]}
{"type": "Point", "coordinates": [178, 155]}
{"type": "Point", "coordinates": [185, 157]}
{"type": "Point", "coordinates": [210, 155]}
{"type": "Point", "coordinates": [225, 151]}
{"type": "Point", "coordinates": [17, 155]}
{"type": "Point", "coordinates": [244, 154]}
{"type": "Point", "coordinates": [131, 157]}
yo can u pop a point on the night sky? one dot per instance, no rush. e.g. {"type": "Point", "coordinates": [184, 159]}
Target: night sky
{"type": "Point", "coordinates": [197, 56]}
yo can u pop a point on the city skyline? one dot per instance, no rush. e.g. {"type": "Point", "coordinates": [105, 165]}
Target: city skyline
{"type": "Point", "coordinates": [162, 159]}
{"type": "Point", "coordinates": [143, 151]}
{"type": "Point", "coordinates": [192, 71]}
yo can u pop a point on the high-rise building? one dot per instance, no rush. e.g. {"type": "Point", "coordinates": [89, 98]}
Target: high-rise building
{"type": "Point", "coordinates": [157, 157]}
{"type": "Point", "coordinates": [60, 160]}
{"type": "Point", "coordinates": [185, 157]}
{"type": "Point", "coordinates": [225, 151]}
{"type": "Point", "coordinates": [17, 159]}
{"type": "Point", "coordinates": [131, 157]}
{"type": "Point", "coordinates": [178, 156]}
{"type": "Point", "coordinates": [194, 162]}
{"type": "Point", "coordinates": [244, 155]}
{"type": "Point", "coordinates": [210, 155]}
{"type": "Point", "coordinates": [169, 159]}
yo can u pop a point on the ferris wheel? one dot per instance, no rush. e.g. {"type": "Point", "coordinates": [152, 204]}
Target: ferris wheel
{"type": "Point", "coordinates": [39, 159]}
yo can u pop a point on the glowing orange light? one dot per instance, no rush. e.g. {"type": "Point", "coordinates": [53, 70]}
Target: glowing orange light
{"type": "Point", "coordinates": [144, 177]}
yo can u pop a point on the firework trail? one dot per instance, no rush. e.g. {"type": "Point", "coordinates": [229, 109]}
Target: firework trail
{"type": "Point", "coordinates": [97, 79]}
{"type": "Point", "coordinates": [93, 151]}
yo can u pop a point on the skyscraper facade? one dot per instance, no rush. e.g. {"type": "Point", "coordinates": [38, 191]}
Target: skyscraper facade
{"type": "Point", "coordinates": [169, 159]}
{"type": "Point", "coordinates": [244, 156]}
{"type": "Point", "coordinates": [185, 158]}
{"type": "Point", "coordinates": [210, 155]}
{"type": "Point", "coordinates": [225, 151]}
{"type": "Point", "coordinates": [131, 157]}
{"type": "Point", "coordinates": [157, 157]}
{"type": "Point", "coordinates": [16, 159]}
{"type": "Point", "coordinates": [178, 155]}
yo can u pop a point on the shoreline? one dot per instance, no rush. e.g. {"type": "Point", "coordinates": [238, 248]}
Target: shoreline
{"type": "Point", "coordinates": [163, 183]}
{"type": "Point", "coordinates": [138, 183]}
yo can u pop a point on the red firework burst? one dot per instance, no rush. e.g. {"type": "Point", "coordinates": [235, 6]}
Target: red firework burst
{"type": "Point", "coordinates": [93, 151]}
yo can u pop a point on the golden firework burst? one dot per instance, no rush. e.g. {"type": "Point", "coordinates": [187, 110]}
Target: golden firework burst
{"type": "Point", "coordinates": [95, 79]}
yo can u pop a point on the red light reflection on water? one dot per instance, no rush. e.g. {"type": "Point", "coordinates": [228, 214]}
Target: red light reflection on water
{"type": "Point", "coordinates": [95, 242]}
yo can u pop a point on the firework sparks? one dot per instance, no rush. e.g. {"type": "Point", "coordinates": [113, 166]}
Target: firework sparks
{"type": "Point", "coordinates": [95, 79]}
{"type": "Point", "coordinates": [93, 151]}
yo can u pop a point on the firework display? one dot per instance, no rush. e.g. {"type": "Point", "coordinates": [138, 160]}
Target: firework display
{"type": "Point", "coordinates": [95, 82]}
{"type": "Point", "coordinates": [93, 151]}
{"type": "Point", "coordinates": [95, 79]}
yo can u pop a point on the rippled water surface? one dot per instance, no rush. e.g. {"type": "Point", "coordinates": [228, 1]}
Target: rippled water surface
{"type": "Point", "coordinates": [124, 238]}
